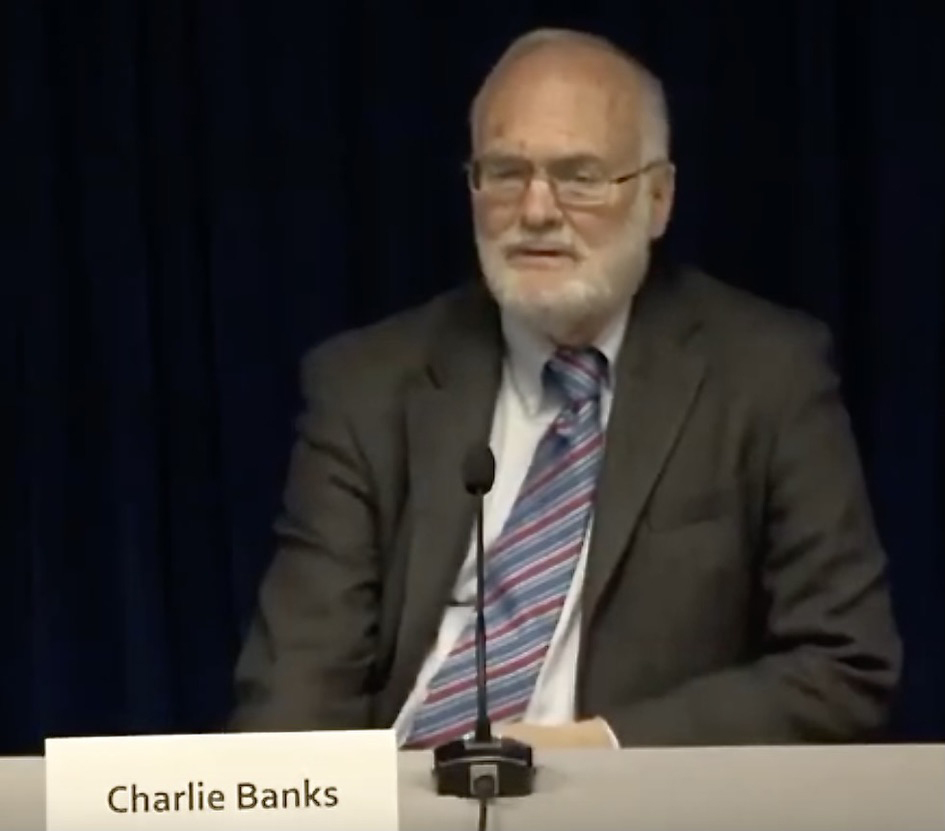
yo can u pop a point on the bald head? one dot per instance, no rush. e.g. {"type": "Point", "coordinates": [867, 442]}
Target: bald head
{"type": "Point", "coordinates": [559, 64]}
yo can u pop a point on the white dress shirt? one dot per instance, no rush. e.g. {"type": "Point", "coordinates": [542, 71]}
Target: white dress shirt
{"type": "Point", "coordinates": [524, 410]}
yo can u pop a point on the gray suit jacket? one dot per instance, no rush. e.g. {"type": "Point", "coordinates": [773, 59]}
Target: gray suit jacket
{"type": "Point", "coordinates": [735, 590]}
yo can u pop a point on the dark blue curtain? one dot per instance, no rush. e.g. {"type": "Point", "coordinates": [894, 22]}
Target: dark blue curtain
{"type": "Point", "coordinates": [198, 191]}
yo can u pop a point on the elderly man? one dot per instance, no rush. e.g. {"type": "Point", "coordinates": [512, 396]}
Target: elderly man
{"type": "Point", "coordinates": [680, 549]}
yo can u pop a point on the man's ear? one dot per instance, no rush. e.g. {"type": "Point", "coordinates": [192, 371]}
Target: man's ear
{"type": "Point", "coordinates": [662, 185]}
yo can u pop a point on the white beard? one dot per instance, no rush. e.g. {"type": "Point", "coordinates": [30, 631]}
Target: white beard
{"type": "Point", "coordinates": [599, 284]}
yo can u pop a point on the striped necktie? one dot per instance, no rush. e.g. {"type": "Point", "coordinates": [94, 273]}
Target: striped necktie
{"type": "Point", "coordinates": [530, 566]}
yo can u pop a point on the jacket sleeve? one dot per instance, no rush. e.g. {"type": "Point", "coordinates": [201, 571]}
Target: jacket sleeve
{"type": "Point", "coordinates": [308, 655]}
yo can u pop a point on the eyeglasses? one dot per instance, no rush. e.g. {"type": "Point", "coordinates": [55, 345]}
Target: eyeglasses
{"type": "Point", "coordinates": [575, 181]}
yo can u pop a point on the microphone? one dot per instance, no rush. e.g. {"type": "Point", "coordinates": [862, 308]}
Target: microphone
{"type": "Point", "coordinates": [480, 766]}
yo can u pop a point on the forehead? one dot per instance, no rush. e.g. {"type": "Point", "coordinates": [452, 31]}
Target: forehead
{"type": "Point", "coordinates": [553, 104]}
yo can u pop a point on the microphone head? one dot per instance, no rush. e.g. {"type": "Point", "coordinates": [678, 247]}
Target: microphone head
{"type": "Point", "coordinates": [479, 470]}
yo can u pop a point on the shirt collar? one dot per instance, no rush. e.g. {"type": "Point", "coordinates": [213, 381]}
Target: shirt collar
{"type": "Point", "coordinates": [529, 351]}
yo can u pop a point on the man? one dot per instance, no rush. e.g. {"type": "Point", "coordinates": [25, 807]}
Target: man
{"type": "Point", "coordinates": [680, 548]}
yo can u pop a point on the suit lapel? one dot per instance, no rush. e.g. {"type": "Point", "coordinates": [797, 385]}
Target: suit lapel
{"type": "Point", "coordinates": [657, 379]}
{"type": "Point", "coordinates": [449, 409]}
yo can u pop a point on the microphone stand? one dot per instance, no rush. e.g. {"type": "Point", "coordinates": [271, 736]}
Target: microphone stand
{"type": "Point", "coordinates": [482, 766]}
{"type": "Point", "coordinates": [483, 722]}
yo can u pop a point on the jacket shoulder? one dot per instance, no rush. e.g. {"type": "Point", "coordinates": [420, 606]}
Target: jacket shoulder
{"type": "Point", "coordinates": [757, 348]}
{"type": "Point", "coordinates": [377, 354]}
{"type": "Point", "coordinates": [747, 334]}
{"type": "Point", "coordinates": [729, 311]}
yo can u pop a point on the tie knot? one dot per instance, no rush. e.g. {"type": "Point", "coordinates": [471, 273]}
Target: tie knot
{"type": "Point", "coordinates": [578, 373]}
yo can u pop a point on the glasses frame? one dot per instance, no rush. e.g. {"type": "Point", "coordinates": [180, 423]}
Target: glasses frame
{"type": "Point", "coordinates": [540, 171]}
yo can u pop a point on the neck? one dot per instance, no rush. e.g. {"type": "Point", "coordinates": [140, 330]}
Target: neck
{"type": "Point", "coordinates": [581, 334]}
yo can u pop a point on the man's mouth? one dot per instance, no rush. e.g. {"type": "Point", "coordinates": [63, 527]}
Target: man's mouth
{"type": "Point", "coordinates": [541, 253]}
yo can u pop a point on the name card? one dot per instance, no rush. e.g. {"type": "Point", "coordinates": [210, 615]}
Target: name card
{"type": "Point", "coordinates": [324, 781]}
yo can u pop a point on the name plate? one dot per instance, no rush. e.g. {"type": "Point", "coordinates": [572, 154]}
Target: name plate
{"type": "Point", "coordinates": [324, 781]}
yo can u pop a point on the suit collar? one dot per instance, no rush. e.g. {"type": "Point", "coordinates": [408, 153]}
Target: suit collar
{"type": "Point", "coordinates": [471, 328]}
{"type": "Point", "coordinates": [468, 337]}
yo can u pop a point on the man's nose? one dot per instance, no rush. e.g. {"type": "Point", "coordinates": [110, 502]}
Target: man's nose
{"type": "Point", "coordinates": [540, 208]}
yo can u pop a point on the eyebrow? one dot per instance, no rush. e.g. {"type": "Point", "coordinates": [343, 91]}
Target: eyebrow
{"type": "Point", "coordinates": [572, 159]}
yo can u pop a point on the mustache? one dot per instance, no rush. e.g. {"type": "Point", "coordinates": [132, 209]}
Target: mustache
{"type": "Point", "coordinates": [542, 245]}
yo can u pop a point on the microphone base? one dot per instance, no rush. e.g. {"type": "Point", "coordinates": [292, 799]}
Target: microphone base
{"type": "Point", "coordinates": [458, 766]}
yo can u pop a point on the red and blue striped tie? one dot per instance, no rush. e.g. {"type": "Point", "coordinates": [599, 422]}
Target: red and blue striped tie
{"type": "Point", "coordinates": [530, 566]}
